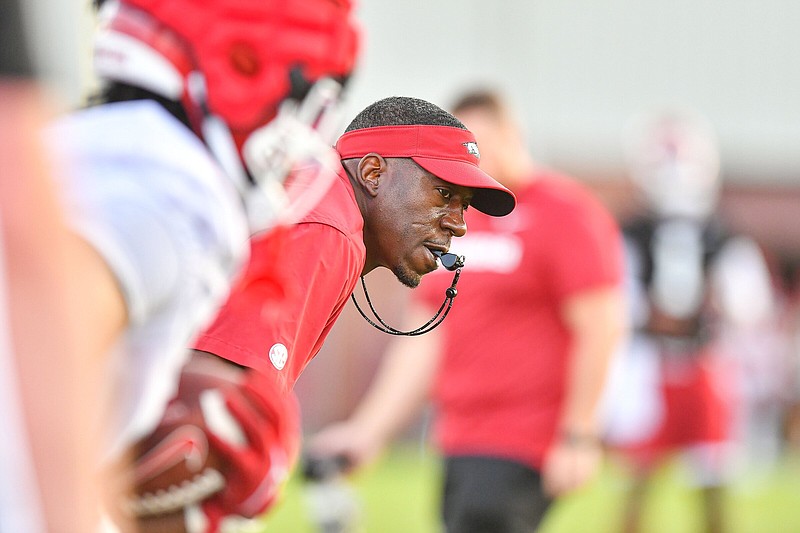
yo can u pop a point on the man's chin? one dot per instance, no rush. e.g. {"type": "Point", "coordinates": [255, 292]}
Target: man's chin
{"type": "Point", "coordinates": [407, 277]}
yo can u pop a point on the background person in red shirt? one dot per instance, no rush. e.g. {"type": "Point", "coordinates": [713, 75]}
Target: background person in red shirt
{"type": "Point", "coordinates": [517, 369]}
{"type": "Point", "coordinates": [409, 172]}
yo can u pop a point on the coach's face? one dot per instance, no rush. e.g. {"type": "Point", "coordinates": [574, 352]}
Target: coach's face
{"type": "Point", "coordinates": [408, 214]}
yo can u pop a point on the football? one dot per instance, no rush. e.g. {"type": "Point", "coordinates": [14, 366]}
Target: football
{"type": "Point", "coordinates": [174, 467]}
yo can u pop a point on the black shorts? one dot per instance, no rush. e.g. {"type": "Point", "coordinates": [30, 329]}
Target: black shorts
{"type": "Point", "coordinates": [490, 495]}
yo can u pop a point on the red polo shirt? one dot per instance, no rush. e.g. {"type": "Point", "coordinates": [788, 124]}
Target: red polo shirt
{"type": "Point", "coordinates": [295, 286]}
{"type": "Point", "coordinates": [501, 385]}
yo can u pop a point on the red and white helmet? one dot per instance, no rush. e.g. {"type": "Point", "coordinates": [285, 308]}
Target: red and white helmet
{"type": "Point", "coordinates": [674, 159]}
{"type": "Point", "coordinates": [235, 65]}
{"type": "Point", "coordinates": [244, 49]}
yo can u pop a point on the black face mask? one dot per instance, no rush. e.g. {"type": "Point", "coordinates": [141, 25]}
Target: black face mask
{"type": "Point", "coordinates": [451, 262]}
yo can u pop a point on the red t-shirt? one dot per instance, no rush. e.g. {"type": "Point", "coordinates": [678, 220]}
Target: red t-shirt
{"type": "Point", "coordinates": [500, 388]}
{"type": "Point", "coordinates": [295, 286]}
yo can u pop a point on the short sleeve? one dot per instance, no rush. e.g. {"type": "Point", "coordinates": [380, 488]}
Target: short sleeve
{"type": "Point", "coordinates": [295, 287]}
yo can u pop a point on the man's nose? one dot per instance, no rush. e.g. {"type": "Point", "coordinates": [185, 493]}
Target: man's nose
{"type": "Point", "coordinates": [454, 222]}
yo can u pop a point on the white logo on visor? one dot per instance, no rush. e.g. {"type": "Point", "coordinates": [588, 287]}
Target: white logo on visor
{"type": "Point", "coordinates": [278, 355]}
{"type": "Point", "coordinates": [472, 148]}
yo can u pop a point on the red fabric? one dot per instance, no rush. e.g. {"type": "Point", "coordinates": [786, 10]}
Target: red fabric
{"type": "Point", "coordinates": [255, 473]}
{"type": "Point", "coordinates": [294, 289]}
{"type": "Point", "coordinates": [444, 151]}
{"type": "Point", "coordinates": [501, 385]}
{"type": "Point", "coordinates": [699, 406]}
{"type": "Point", "coordinates": [440, 142]}
{"type": "Point", "coordinates": [246, 49]}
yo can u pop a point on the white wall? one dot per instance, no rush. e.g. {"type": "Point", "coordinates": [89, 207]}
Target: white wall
{"type": "Point", "coordinates": [578, 69]}
{"type": "Point", "coordinates": [60, 35]}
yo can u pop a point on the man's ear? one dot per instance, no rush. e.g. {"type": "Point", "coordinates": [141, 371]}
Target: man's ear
{"type": "Point", "coordinates": [371, 168]}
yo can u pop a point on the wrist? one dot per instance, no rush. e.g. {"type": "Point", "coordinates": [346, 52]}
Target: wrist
{"type": "Point", "coordinates": [576, 439]}
{"type": "Point", "coordinates": [370, 428]}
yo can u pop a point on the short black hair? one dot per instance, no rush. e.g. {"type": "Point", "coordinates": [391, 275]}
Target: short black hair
{"type": "Point", "coordinates": [403, 111]}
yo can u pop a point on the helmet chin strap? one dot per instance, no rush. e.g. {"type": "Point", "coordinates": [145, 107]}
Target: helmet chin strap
{"type": "Point", "coordinates": [300, 134]}
{"type": "Point", "coordinates": [450, 262]}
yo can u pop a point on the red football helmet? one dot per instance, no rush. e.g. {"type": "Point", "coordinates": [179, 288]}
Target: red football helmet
{"type": "Point", "coordinates": [245, 50]}
{"type": "Point", "coordinates": [235, 65]}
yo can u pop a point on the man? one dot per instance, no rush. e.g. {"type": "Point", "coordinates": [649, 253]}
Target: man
{"type": "Point", "coordinates": [204, 108]}
{"type": "Point", "coordinates": [409, 172]}
{"type": "Point", "coordinates": [518, 367]}
{"type": "Point", "coordinates": [700, 295]}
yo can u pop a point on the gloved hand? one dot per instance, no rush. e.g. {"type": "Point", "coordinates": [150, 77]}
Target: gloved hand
{"type": "Point", "coordinates": [258, 454]}
{"type": "Point", "coordinates": [221, 452]}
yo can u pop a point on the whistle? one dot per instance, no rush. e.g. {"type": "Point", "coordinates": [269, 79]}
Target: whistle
{"type": "Point", "coordinates": [450, 261]}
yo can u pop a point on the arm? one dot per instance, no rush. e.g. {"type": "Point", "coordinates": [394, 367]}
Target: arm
{"type": "Point", "coordinates": [296, 284]}
{"type": "Point", "coordinates": [50, 343]}
{"type": "Point", "coordinates": [399, 389]}
{"type": "Point", "coordinates": [596, 321]}
{"type": "Point", "coordinates": [236, 387]}
{"type": "Point", "coordinates": [742, 285]}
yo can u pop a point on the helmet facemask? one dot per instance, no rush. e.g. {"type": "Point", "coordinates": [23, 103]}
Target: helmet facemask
{"type": "Point", "coordinates": [291, 159]}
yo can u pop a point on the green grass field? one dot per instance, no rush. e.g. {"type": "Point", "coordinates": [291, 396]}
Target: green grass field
{"type": "Point", "coordinates": [400, 495]}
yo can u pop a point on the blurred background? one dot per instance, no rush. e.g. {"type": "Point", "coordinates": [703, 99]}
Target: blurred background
{"type": "Point", "coordinates": [576, 72]}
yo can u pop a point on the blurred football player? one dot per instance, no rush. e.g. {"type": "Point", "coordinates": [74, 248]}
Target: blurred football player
{"type": "Point", "coordinates": [688, 279]}
{"type": "Point", "coordinates": [206, 106]}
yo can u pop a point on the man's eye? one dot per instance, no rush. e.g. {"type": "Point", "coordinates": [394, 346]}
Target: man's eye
{"type": "Point", "coordinates": [445, 193]}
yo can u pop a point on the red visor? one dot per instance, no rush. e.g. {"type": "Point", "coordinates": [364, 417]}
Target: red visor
{"type": "Point", "coordinates": [446, 152]}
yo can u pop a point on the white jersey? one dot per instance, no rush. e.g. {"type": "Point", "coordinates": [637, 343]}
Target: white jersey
{"type": "Point", "coordinates": [148, 196]}
{"type": "Point", "coordinates": [739, 281]}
